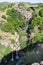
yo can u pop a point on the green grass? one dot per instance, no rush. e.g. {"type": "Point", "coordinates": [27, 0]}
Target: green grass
{"type": "Point", "coordinates": [4, 4]}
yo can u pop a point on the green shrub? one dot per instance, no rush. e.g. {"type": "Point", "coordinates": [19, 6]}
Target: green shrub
{"type": "Point", "coordinates": [10, 5]}
{"type": "Point", "coordinates": [8, 28]}
{"type": "Point", "coordinates": [23, 44]}
{"type": "Point", "coordinates": [3, 16]}
{"type": "Point", "coordinates": [21, 4]}
{"type": "Point", "coordinates": [28, 9]}
{"type": "Point", "coordinates": [41, 12]}
{"type": "Point", "coordinates": [36, 21]}
{"type": "Point", "coordinates": [12, 41]}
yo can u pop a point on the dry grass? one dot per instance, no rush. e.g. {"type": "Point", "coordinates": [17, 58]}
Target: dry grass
{"type": "Point", "coordinates": [2, 13]}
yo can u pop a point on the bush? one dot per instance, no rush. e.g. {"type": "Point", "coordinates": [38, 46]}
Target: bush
{"type": "Point", "coordinates": [23, 44]}
{"type": "Point", "coordinates": [12, 41]}
{"type": "Point", "coordinates": [10, 5]}
{"type": "Point", "coordinates": [28, 9]}
{"type": "Point", "coordinates": [41, 12]}
{"type": "Point", "coordinates": [8, 28]}
{"type": "Point", "coordinates": [15, 18]}
{"type": "Point", "coordinates": [36, 21]}
{"type": "Point", "coordinates": [21, 4]}
{"type": "Point", "coordinates": [3, 16]}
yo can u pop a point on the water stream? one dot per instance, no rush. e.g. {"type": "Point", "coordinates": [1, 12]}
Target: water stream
{"type": "Point", "coordinates": [17, 54]}
{"type": "Point", "coordinates": [12, 59]}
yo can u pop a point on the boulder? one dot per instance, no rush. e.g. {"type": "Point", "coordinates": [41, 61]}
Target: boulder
{"type": "Point", "coordinates": [35, 64]}
{"type": "Point", "coordinates": [41, 63]}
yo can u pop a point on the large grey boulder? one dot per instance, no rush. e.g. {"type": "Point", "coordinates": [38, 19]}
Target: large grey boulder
{"type": "Point", "coordinates": [41, 63]}
{"type": "Point", "coordinates": [35, 64]}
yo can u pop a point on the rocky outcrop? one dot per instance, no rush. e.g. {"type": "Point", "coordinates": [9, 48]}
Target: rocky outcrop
{"type": "Point", "coordinates": [6, 37]}
{"type": "Point", "coordinates": [26, 15]}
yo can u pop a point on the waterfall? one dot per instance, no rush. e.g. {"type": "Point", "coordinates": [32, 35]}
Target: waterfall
{"type": "Point", "coordinates": [12, 59]}
{"type": "Point", "coordinates": [28, 22]}
{"type": "Point", "coordinates": [17, 56]}
{"type": "Point", "coordinates": [26, 28]}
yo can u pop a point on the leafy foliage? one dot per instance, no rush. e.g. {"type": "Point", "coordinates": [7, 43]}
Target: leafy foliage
{"type": "Point", "coordinates": [11, 5]}
{"type": "Point", "coordinates": [38, 31]}
{"type": "Point", "coordinates": [36, 21]}
{"type": "Point", "coordinates": [28, 9]}
{"type": "Point", "coordinates": [8, 28]}
{"type": "Point", "coordinates": [41, 12]}
{"type": "Point", "coordinates": [3, 16]}
{"type": "Point", "coordinates": [15, 21]}
{"type": "Point", "coordinates": [21, 4]}
{"type": "Point", "coordinates": [12, 41]}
